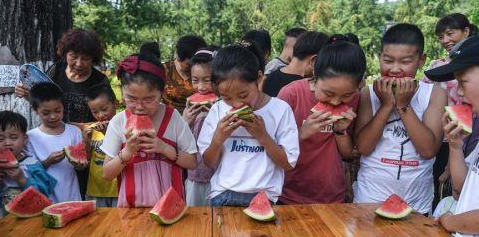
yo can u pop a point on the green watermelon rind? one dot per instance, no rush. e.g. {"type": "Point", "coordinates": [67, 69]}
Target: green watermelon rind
{"type": "Point", "coordinates": [388, 215]}
{"type": "Point", "coordinates": [8, 207]}
{"type": "Point", "coordinates": [244, 113]}
{"type": "Point", "coordinates": [51, 220]}
{"type": "Point", "coordinates": [268, 217]}
{"type": "Point", "coordinates": [452, 115]}
{"type": "Point", "coordinates": [156, 216]}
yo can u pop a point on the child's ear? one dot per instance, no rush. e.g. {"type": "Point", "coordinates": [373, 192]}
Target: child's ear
{"type": "Point", "coordinates": [312, 60]}
{"type": "Point", "coordinates": [26, 140]}
{"type": "Point", "coordinates": [260, 76]}
{"type": "Point", "coordinates": [422, 60]}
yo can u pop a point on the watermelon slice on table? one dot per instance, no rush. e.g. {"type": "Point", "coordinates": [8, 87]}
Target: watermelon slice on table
{"type": "Point", "coordinates": [76, 154]}
{"type": "Point", "coordinates": [463, 114]}
{"type": "Point", "coordinates": [139, 123]}
{"type": "Point", "coordinates": [336, 111]}
{"type": "Point", "coordinates": [260, 208]}
{"type": "Point", "coordinates": [203, 99]}
{"type": "Point", "coordinates": [28, 203]}
{"type": "Point", "coordinates": [169, 209]}
{"type": "Point", "coordinates": [60, 214]}
{"type": "Point", "coordinates": [8, 155]}
{"type": "Point", "coordinates": [394, 208]}
{"type": "Point", "coordinates": [244, 113]}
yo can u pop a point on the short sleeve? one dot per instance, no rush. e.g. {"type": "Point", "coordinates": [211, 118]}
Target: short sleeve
{"type": "Point", "coordinates": [114, 136]}
{"type": "Point", "coordinates": [287, 135]}
{"type": "Point", "coordinates": [287, 94]}
{"type": "Point", "coordinates": [208, 129]}
{"type": "Point", "coordinates": [185, 140]}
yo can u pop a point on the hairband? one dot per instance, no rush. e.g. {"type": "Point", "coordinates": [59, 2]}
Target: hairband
{"type": "Point", "coordinates": [132, 64]}
{"type": "Point", "coordinates": [205, 52]}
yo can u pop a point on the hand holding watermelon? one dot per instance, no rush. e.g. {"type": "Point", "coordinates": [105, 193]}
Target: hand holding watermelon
{"type": "Point", "coordinates": [453, 131]}
{"type": "Point", "coordinates": [226, 126]}
{"type": "Point", "coordinates": [343, 124]}
{"type": "Point", "coordinates": [150, 143]}
{"type": "Point", "coordinates": [405, 89]}
{"type": "Point", "coordinates": [315, 122]}
{"type": "Point", "coordinates": [15, 174]}
{"type": "Point", "coordinates": [54, 158]}
{"type": "Point", "coordinates": [191, 112]}
{"type": "Point", "coordinates": [255, 127]}
{"type": "Point", "coordinates": [383, 90]}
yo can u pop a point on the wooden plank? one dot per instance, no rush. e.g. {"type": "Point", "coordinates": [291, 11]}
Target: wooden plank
{"type": "Point", "coordinates": [114, 222]}
{"type": "Point", "coordinates": [322, 220]}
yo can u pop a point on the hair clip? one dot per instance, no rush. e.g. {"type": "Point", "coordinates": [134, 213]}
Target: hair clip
{"type": "Point", "coordinates": [245, 43]}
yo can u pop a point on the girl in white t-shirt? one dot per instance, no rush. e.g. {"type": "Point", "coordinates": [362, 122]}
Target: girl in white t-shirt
{"type": "Point", "coordinates": [249, 156]}
{"type": "Point", "coordinates": [147, 163]}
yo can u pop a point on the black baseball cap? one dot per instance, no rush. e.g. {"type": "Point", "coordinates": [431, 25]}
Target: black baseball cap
{"type": "Point", "coordinates": [466, 55]}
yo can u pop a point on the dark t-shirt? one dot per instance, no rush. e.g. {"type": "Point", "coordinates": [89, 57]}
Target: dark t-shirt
{"type": "Point", "coordinates": [76, 108]}
{"type": "Point", "coordinates": [277, 80]}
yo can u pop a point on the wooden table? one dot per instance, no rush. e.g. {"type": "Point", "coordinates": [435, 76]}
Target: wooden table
{"type": "Point", "coordinates": [302, 220]}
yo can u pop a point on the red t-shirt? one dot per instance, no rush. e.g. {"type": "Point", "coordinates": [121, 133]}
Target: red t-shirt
{"type": "Point", "coordinates": [318, 176]}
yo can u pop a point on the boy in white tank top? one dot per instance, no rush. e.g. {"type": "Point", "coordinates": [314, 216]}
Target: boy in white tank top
{"type": "Point", "coordinates": [398, 130]}
{"type": "Point", "coordinates": [464, 66]}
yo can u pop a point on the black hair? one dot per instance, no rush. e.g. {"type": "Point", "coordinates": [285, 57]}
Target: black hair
{"type": "Point", "coordinates": [204, 57]}
{"type": "Point", "coordinates": [253, 47]}
{"type": "Point", "coordinates": [352, 38]}
{"type": "Point", "coordinates": [149, 52]}
{"type": "Point", "coordinates": [340, 57]}
{"type": "Point", "coordinates": [309, 43]}
{"type": "Point", "coordinates": [294, 32]}
{"type": "Point", "coordinates": [43, 92]}
{"type": "Point", "coordinates": [12, 119]}
{"type": "Point", "coordinates": [261, 38]}
{"type": "Point", "coordinates": [96, 91]}
{"type": "Point", "coordinates": [187, 46]}
{"type": "Point", "coordinates": [404, 33]}
{"type": "Point", "coordinates": [455, 21]}
{"type": "Point", "coordinates": [234, 62]}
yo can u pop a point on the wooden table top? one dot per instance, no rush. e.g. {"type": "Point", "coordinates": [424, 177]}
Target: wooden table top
{"type": "Point", "coordinates": [301, 220]}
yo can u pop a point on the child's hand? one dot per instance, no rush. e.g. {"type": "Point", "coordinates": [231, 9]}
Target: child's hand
{"type": "Point", "coordinates": [86, 134]}
{"type": "Point", "coordinates": [150, 143]}
{"type": "Point", "coordinates": [226, 126]}
{"type": "Point", "coordinates": [5, 164]}
{"type": "Point", "coordinates": [132, 144]}
{"type": "Point", "coordinates": [256, 127]}
{"type": "Point", "coordinates": [80, 166]}
{"type": "Point", "coordinates": [444, 176]}
{"type": "Point", "coordinates": [344, 123]}
{"type": "Point", "coordinates": [314, 123]}
{"type": "Point", "coordinates": [446, 221]}
{"type": "Point", "coordinates": [16, 174]}
{"type": "Point", "coordinates": [191, 111]}
{"type": "Point", "coordinates": [54, 158]}
{"type": "Point", "coordinates": [452, 132]}
{"type": "Point", "coordinates": [21, 90]}
{"type": "Point", "coordinates": [383, 89]}
{"type": "Point", "coordinates": [405, 89]}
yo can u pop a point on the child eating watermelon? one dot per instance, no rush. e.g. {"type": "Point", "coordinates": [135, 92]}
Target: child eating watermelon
{"type": "Point", "coordinates": [18, 169]}
{"type": "Point", "coordinates": [464, 66]}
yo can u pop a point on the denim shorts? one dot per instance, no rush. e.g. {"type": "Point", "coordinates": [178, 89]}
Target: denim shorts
{"type": "Point", "coordinates": [232, 198]}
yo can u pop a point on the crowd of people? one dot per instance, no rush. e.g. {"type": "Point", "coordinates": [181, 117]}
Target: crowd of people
{"type": "Point", "coordinates": [397, 128]}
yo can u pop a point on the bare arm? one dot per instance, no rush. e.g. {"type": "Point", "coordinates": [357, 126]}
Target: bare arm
{"type": "Point", "coordinates": [275, 152]}
{"type": "Point", "coordinates": [466, 223]}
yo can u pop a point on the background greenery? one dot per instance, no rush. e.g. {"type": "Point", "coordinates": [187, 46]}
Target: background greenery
{"type": "Point", "coordinates": [124, 25]}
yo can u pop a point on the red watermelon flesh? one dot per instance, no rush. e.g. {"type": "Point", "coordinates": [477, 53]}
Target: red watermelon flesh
{"type": "Point", "coordinates": [260, 208]}
{"type": "Point", "coordinates": [463, 114]}
{"type": "Point", "coordinates": [336, 110]}
{"type": "Point", "coordinates": [203, 99]}
{"type": "Point", "coordinates": [394, 208]}
{"type": "Point", "coordinates": [28, 203]}
{"type": "Point", "coordinates": [60, 214]}
{"type": "Point", "coordinates": [76, 154]}
{"type": "Point", "coordinates": [139, 123]}
{"type": "Point", "coordinates": [169, 209]}
{"type": "Point", "coordinates": [8, 155]}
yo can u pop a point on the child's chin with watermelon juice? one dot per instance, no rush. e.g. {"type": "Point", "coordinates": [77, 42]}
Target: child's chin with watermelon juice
{"type": "Point", "coordinates": [198, 183]}
{"type": "Point", "coordinates": [102, 103]}
{"type": "Point", "coordinates": [14, 178]}
{"type": "Point", "coordinates": [464, 67]}
{"type": "Point", "coordinates": [249, 156]}
{"type": "Point", "coordinates": [398, 132]}
{"type": "Point", "coordinates": [151, 161]}
{"type": "Point", "coordinates": [324, 139]}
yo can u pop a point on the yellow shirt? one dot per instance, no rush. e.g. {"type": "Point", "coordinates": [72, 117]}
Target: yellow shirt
{"type": "Point", "coordinates": [97, 186]}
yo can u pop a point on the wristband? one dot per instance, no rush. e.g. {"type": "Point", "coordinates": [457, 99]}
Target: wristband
{"type": "Point", "coordinates": [339, 132]}
{"type": "Point", "coordinates": [402, 109]}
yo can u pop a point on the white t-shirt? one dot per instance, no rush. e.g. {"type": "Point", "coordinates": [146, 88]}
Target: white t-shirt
{"type": "Point", "coordinates": [245, 167]}
{"type": "Point", "coordinates": [41, 145]}
{"type": "Point", "coordinates": [395, 166]}
{"type": "Point", "coordinates": [177, 131]}
{"type": "Point", "coordinates": [469, 198]}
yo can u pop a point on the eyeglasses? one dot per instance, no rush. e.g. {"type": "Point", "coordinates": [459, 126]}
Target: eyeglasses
{"type": "Point", "coordinates": [146, 102]}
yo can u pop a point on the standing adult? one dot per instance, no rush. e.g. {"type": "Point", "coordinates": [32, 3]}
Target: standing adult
{"type": "Point", "coordinates": [178, 72]}
{"type": "Point", "coordinates": [79, 50]}
{"type": "Point", "coordinates": [290, 37]}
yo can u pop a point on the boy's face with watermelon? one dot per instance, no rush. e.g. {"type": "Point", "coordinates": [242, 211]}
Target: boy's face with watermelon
{"type": "Point", "coordinates": [469, 86]}
{"type": "Point", "coordinates": [335, 91]}
{"type": "Point", "coordinates": [400, 60]}
{"type": "Point", "coordinates": [12, 138]}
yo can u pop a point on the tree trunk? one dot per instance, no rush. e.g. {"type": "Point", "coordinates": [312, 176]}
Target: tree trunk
{"type": "Point", "coordinates": [29, 30]}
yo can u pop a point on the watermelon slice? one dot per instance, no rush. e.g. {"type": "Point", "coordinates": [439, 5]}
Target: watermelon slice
{"type": "Point", "coordinates": [76, 154]}
{"type": "Point", "coordinates": [260, 208]}
{"type": "Point", "coordinates": [169, 209]}
{"type": "Point", "coordinates": [139, 123]}
{"type": "Point", "coordinates": [394, 208]}
{"type": "Point", "coordinates": [244, 113]}
{"type": "Point", "coordinates": [8, 155]}
{"type": "Point", "coordinates": [336, 111]}
{"type": "Point", "coordinates": [28, 203]}
{"type": "Point", "coordinates": [463, 114]}
{"type": "Point", "coordinates": [60, 214]}
{"type": "Point", "coordinates": [393, 88]}
{"type": "Point", "coordinates": [203, 99]}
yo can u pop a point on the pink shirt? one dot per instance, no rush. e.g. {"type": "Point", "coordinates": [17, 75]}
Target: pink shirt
{"type": "Point", "coordinates": [450, 86]}
{"type": "Point", "coordinates": [318, 176]}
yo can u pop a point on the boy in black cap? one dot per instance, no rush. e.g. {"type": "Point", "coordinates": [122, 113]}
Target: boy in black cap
{"type": "Point", "coordinates": [464, 67]}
